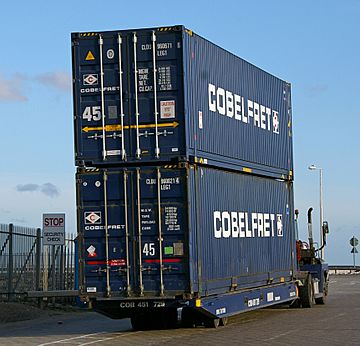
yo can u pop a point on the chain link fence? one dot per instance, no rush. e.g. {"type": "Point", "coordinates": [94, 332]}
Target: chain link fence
{"type": "Point", "coordinates": [26, 265]}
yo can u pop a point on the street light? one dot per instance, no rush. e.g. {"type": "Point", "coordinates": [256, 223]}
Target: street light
{"type": "Point", "coordinates": [313, 168]}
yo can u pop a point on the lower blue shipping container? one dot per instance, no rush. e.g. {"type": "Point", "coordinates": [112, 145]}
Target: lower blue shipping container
{"type": "Point", "coordinates": [182, 231]}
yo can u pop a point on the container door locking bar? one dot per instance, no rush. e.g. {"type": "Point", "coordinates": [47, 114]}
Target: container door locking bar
{"type": "Point", "coordinates": [101, 44]}
{"type": "Point", "coordinates": [123, 152]}
{"type": "Point", "coordinates": [157, 149]}
{"type": "Point", "coordinates": [139, 233]}
{"type": "Point", "coordinates": [160, 233]}
{"type": "Point", "coordinates": [128, 287]}
{"type": "Point", "coordinates": [108, 287]}
{"type": "Point", "coordinates": [138, 150]}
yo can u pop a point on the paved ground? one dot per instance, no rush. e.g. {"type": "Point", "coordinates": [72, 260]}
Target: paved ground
{"type": "Point", "coordinates": [336, 323]}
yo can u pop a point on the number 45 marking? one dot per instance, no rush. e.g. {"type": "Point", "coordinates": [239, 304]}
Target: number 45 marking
{"type": "Point", "coordinates": [149, 249]}
{"type": "Point", "coordinates": [92, 113]}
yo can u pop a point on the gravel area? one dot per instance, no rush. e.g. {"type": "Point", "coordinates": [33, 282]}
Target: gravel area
{"type": "Point", "coordinates": [12, 312]}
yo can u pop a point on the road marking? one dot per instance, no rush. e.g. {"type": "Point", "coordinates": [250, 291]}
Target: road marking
{"type": "Point", "coordinates": [279, 335]}
{"type": "Point", "coordinates": [90, 336]}
{"type": "Point", "coordinates": [106, 339]}
{"type": "Point", "coordinates": [96, 341]}
{"type": "Point", "coordinates": [70, 339]}
{"type": "Point", "coordinates": [332, 317]}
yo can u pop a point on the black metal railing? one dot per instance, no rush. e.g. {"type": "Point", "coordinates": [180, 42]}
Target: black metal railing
{"type": "Point", "coordinates": [26, 265]}
{"type": "Point", "coordinates": [339, 268]}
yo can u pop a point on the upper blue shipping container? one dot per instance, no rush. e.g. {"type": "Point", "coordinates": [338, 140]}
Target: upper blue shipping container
{"type": "Point", "coordinates": [168, 95]}
{"type": "Point", "coordinates": [184, 230]}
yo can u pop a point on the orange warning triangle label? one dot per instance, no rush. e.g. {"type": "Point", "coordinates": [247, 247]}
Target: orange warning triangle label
{"type": "Point", "coordinates": [90, 56]}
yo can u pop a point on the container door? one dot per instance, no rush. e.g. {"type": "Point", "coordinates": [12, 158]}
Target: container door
{"type": "Point", "coordinates": [101, 98]}
{"type": "Point", "coordinates": [133, 225]}
{"type": "Point", "coordinates": [156, 116]}
{"type": "Point", "coordinates": [160, 220]}
{"type": "Point", "coordinates": [128, 96]}
{"type": "Point", "coordinates": [103, 200]}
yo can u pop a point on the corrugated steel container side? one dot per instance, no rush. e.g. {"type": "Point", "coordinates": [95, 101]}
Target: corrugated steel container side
{"type": "Point", "coordinates": [212, 107]}
{"type": "Point", "coordinates": [237, 112]}
{"type": "Point", "coordinates": [245, 230]}
{"type": "Point", "coordinates": [220, 231]}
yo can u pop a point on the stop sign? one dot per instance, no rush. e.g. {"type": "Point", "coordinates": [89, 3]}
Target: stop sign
{"type": "Point", "coordinates": [53, 229]}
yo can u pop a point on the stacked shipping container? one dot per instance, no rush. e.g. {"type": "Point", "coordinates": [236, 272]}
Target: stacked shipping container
{"type": "Point", "coordinates": [205, 104]}
{"type": "Point", "coordinates": [184, 150]}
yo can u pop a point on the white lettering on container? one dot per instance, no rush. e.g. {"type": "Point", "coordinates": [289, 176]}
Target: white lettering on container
{"type": "Point", "coordinates": [225, 102]}
{"type": "Point", "coordinates": [235, 224]}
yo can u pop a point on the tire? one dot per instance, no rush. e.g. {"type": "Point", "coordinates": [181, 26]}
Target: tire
{"type": "Point", "coordinates": [322, 300]}
{"type": "Point", "coordinates": [295, 304]}
{"type": "Point", "coordinates": [212, 322]}
{"type": "Point", "coordinates": [306, 293]}
{"type": "Point", "coordinates": [187, 318]}
{"type": "Point", "coordinates": [150, 321]}
{"type": "Point", "coordinates": [169, 319]}
{"type": "Point", "coordinates": [138, 322]}
{"type": "Point", "coordinates": [224, 321]}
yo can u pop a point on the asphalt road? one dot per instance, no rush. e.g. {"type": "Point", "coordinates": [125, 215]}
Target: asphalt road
{"type": "Point", "coordinates": [336, 323]}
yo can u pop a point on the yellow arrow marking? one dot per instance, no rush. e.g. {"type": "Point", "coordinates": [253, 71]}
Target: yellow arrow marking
{"type": "Point", "coordinates": [117, 127]}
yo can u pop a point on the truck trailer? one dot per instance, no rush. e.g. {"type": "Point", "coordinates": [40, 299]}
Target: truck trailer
{"type": "Point", "coordinates": [209, 243]}
{"type": "Point", "coordinates": [185, 207]}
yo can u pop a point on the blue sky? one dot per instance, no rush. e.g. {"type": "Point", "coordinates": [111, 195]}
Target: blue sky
{"type": "Point", "coordinates": [312, 44]}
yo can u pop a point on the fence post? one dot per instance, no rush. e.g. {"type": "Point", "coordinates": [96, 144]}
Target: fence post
{"type": "Point", "coordinates": [53, 270]}
{"type": "Point", "coordinates": [38, 259]}
{"type": "Point", "coordinates": [62, 281]}
{"type": "Point", "coordinates": [11, 262]}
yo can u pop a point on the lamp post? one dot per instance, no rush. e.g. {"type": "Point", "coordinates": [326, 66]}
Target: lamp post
{"type": "Point", "coordinates": [313, 168]}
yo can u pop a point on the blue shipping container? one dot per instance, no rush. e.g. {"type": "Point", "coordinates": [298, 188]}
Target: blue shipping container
{"type": "Point", "coordinates": [167, 231]}
{"type": "Point", "coordinates": [167, 94]}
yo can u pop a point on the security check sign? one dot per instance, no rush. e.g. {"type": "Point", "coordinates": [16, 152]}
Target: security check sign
{"type": "Point", "coordinates": [53, 229]}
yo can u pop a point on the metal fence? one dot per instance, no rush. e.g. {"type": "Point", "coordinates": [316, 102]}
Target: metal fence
{"type": "Point", "coordinates": [26, 265]}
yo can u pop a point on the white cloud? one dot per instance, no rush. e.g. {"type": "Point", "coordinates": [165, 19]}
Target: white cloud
{"type": "Point", "coordinates": [50, 190]}
{"type": "Point", "coordinates": [10, 89]}
{"type": "Point", "coordinates": [27, 187]}
{"type": "Point", "coordinates": [47, 189]}
{"type": "Point", "coordinates": [58, 80]}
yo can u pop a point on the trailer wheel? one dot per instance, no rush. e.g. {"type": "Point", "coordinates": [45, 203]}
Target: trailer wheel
{"type": "Point", "coordinates": [169, 319]}
{"type": "Point", "coordinates": [322, 300]}
{"type": "Point", "coordinates": [295, 304]}
{"type": "Point", "coordinates": [155, 320]}
{"type": "Point", "coordinates": [138, 322]}
{"type": "Point", "coordinates": [212, 322]}
{"type": "Point", "coordinates": [306, 293]}
{"type": "Point", "coordinates": [223, 321]}
{"type": "Point", "coordinates": [187, 318]}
